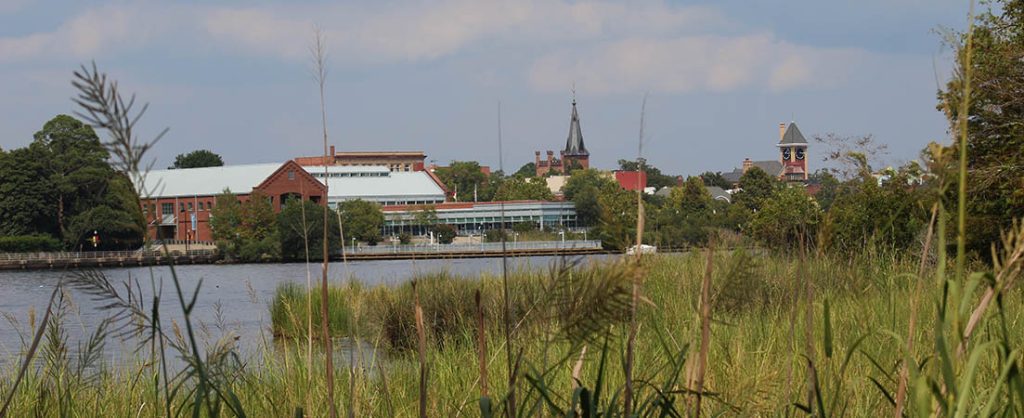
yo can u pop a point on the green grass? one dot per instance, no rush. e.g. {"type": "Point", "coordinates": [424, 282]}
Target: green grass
{"type": "Point", "coordinates": [756, 362]}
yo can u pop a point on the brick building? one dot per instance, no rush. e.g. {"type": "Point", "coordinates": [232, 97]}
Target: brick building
{"type": "Point", "coordinates": [177, 203]}
{"type": "Point", "coordinates": [575, 154]}
{"type": "Point", "coordinates": [393, 160]}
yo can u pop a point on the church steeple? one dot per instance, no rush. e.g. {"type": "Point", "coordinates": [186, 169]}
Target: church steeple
{"type": "Point", "coordinates": [574, 143]}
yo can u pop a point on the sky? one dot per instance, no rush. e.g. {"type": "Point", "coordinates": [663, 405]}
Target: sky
{"type": "Point", "coordinates": [235, 77]}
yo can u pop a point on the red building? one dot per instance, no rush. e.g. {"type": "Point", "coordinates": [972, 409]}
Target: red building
{"type": "Point", "coordinates": [631, 180]}
{"type": "Point", "coordinates": [177, 203]}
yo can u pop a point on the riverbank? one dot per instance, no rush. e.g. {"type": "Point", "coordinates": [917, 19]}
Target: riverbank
{"type": "Point", "coordinates": [104, 259]}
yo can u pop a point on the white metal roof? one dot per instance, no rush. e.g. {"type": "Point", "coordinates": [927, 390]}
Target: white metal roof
{"type": "Point", "coordinates": [206, 181]}
{"type": "Point", "coordinates": [397, 185]}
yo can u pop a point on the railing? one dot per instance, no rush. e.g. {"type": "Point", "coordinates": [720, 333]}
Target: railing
{"type": "Point", "coordinates": [92, 255]}
{"type": "Point", "coordinates": [472, 248]}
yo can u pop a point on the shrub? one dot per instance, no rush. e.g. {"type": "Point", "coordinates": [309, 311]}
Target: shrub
{"type": "Point", "coordinates": [495, 235]}
{"type": "Point", "coordinates": [525, 226]}
{"type": "Point", "coordinates": [405, 238]}
{"type": "Point", "coordinates": [28, 243]}
{"type": "Point", "coordinates": [445, 233]}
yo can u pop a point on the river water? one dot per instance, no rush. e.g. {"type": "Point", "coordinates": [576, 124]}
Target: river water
{"type": "Point", "coordinates": [233, 302]}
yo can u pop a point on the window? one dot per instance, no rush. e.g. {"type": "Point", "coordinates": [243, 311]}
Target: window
{"type": "Point", "coordinates": [167, 208]}
{"type": "Point", "coordinates": [181, 207]}
{"type": "Point", "coordinates": [291, 175]}
{"type": "Point", "coordinates": [190, 206]}
{"type": "Point", "coordinates": [200, 206]}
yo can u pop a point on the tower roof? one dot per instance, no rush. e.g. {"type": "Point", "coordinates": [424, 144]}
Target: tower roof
{"type": "Point", "coordinates": [792, 136]}
{"type": "Point", "coordinates": [574, 143]}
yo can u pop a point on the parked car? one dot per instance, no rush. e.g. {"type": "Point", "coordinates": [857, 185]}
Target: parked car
{"type": "Point", "coordinates": [644, 249]}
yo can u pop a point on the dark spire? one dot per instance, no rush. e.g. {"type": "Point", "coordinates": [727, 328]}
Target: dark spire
{"type": "Point", "coordinates": [792, 136]}
{"type": "Point", "coordinates": [574, 143]}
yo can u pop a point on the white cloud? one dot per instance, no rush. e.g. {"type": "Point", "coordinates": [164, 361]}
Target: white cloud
{"type": "Point", "coordinates": [93, 33]}
{"type": "Point", "coordinates": [693, 63]}
{"type": "Point", "coordinates": [602, 46]}
{"type": "Point", "coordinates": [426, 31]}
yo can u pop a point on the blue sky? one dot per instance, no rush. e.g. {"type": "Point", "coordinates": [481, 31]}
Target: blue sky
{"type": "Point", "coordinates": [235, 77]}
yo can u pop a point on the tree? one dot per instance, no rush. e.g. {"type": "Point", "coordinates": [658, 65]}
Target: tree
{"type": "Point", "coordinates": [995, 135]}
{"type": "Point", "coordinates": [197, 159]}
{"type": "Point", "coordinates": [654, 176]}
{"type": "Point", "coordinates": [61, 185]}
{"type": "Point", "coordinates": [789, 214]}
{"type": "Point", "coordinates": [119, 221]}
{"type": "Point", "coordinates": [756, 187]}
{"type": "Point", "coordinates": [425, 218]}
{"type": "Point", "coordinates": [26, 195]}
{"type": "Point", "coordinates": [462, 177]}
{"type": "Point", "coordinates": [257, 220]}
{"type": "Point", "coordinates": [524, 188]}
{"type": "Point", "coordinates": [527, 170]}
{"type": "Point", "coordinates": [75, 165]}
{"type": "Point", "coordinates": [226, 216]}
{"type": "Point", "coordinates": [362, 220]}
{"type": "Point", "coordinates": [583, 188]}
{"type": "Point", "coordinates": [617, 228]}
{"type": "Point", "coordinates": [444, 233]}
{"type": "Point", "coordinates": [297, 234]}
{"type": "Point", "coordinates": [692, 197]}
{"type": "Point", "coordinates": [828, 187]}
{"type": "Point", "coordinates": [890, 215]}
{"type": "Point", "coordinates": [715, 178]}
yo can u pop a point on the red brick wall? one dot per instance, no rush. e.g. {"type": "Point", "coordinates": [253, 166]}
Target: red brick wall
{"type": "Point", "coordinates": [300, 182]}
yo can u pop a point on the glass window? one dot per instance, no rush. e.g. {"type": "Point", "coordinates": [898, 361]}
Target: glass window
{"type": "Point", "coordinates": [167, 208]}
{"type": "Point", "coordinates": [200, 206]}
{"type": "Point", "coordinates": [291, 175]}
{"type": "Point", "coordinates": [181, 207]}
{"type": "Point", "coordinates": [190, 206]}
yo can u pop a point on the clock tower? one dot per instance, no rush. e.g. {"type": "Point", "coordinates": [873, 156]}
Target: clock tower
{"type": "Point", "coordinates": [792, 153]}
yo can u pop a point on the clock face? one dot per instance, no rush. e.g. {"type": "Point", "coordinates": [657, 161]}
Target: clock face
{"type": "Point", "coordinates": [799, 153]}
{"type": "Point", "coordinates": [785, 154]}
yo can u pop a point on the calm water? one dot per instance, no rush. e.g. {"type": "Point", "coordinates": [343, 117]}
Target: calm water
{"type": "Point", "coordinates": [234, 300]}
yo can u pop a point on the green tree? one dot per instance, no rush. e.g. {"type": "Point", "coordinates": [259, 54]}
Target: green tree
{"type": "Point", "coordinates": [226, 216]}
{"type": "Point", "coordinates": [655, 178]}
{"type": "Point", "coordinates": [75, 165]}
{"type": "Point", "coordinates": [118, 222]}
{"type": "Point", "coordinates": [715, 178]}
{"type": "Point", "coordinates": [444, 233]}
{"type": "Point", "coordinates": [425, 217]}
{"type": "Point", "coordinates": [890, 215]}
{"type": "Point", "coordinates": [527, 170]}
{"type": "Point", "coordinates": [995, 134]}
{"type": "Point", "coordinates": [26, 196]}
{"type": "Point", "coordinates": [583, 188]}
{"type": "Point", "coordinates": [828, 187]}
{"type": "Point", "coordinates": [789, 214]}
{"type": "Point", "coordinates": [297, 233]}
{"type": "Point", "coordinates": [257, 220]}
{"type": "Point", "coordinates": [362, 220]}
{"type": "Point", "coordinates": [524, 188]}
{"type": "Point", "coordinates": [197, 159]}
{"type": "Point", "coordinates": [462, 177]}
{"type": "Point", "coordinates": [756, 187]}
{"type": "Point", "coordinates": [617, 229]}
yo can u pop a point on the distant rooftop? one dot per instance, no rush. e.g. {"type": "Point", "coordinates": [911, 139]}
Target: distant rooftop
{"type": "Point", "coordinates": [206, 181]}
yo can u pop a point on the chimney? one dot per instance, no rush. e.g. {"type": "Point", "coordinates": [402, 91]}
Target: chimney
{"type": "Point", "coordinates": [747, 164]}
{"type": "Point", "coordinates": [782, 131]}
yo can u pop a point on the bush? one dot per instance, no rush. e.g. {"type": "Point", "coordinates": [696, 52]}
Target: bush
{"type": "Point", "coordinates": [263, 250]}
{"type": "Point", "coordinates": [405, 238]}
{"type": "Point", "coordinates": [28, 244]}
{"type": "Point", "coordinates": [525, 226]}
{"type": "Point", "coordinates": [445, 233]}
{"type": "Point", "coordinates": [495, 235]}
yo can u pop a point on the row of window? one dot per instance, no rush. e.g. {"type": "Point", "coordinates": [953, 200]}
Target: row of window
{"type": "Point", "coordinates": [359, 174]}
{"type": "Point", "coordinates": [168, 208]}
